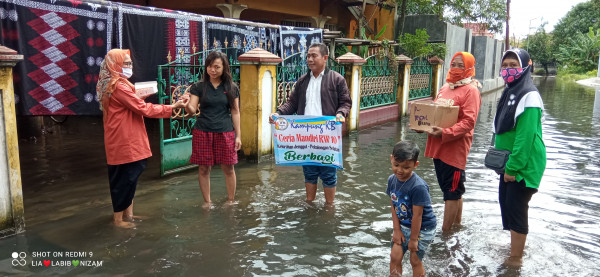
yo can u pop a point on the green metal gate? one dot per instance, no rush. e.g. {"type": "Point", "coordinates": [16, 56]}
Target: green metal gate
{"type": "Point", "coordinates": [421, 74]}
{"type": "Point", "coordinates": [175, 79]}
{"type": "Point", "coordinates": [379, 82]}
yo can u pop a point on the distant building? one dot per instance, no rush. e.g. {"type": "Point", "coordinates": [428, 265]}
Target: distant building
{"type": "Point", "coordinates": [479, 29]}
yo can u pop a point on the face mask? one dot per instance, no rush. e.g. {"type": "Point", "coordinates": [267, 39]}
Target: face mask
{"type": "Point", "coordinates": [511, 74]}
{"type": "Point", "coordinates": [455, 74]}
{"type": "Point", "coordinates": [127, 72]}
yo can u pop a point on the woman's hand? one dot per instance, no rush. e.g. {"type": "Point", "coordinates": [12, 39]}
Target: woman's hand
{"type": "Point", "coordinates": [509, 178]}
{"type": "Point", "coordinates": [185, 97]}
{"type": "Point", "coordinates": [435, 132]}
{"type": "Point", "coordinates": [238, 143]}
{"type": "Point", "coordinates": [181, 103]}
{"type": "Point", "coordinates": [339, 117]}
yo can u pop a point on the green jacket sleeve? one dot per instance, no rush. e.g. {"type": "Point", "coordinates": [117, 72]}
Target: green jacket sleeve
{"type": "Point", "coordinates": [526, 128]}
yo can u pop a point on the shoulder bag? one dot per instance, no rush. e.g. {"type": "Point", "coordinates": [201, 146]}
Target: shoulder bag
{"type": "Point", "coordinates": [496, 159]}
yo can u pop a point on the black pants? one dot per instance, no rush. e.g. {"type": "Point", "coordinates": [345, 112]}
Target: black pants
{"type": "Point", "coordinates": [514, 200]}
{"type": "Point", "coordinates": [451, 180]}
{"type": "Point", "coordinates": [123, 180]}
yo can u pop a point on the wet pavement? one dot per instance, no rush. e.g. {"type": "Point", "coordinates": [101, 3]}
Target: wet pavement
{"type": "Point", "coordinates": [273, 232]}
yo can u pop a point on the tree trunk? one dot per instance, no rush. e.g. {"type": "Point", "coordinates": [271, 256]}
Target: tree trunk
{"type": "Point", "coordinates": [402, 17]}
{"type": "Point", "coordinates": [439, 8]}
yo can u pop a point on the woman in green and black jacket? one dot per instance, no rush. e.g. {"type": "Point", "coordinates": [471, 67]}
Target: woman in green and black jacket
{"type": "Point", "coordinates": [518, 128]}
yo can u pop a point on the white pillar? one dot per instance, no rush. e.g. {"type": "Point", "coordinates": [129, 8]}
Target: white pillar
{"type": "Point", "coordinates": [12, 219]}
{"type": "Point", "coordinates": [353, 64]}
{"type": "Point", "coordinates": [267, 95]}
{"type": "Point", "coordinates": [319, 21]}
{"type": "Point", "coordinates": [232, 10]}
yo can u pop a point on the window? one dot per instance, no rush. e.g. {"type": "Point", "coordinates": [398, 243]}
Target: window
{"type": "Point", "coordinates": [295, 23]}
{"type": "Point", "coordinates": [331, 27]}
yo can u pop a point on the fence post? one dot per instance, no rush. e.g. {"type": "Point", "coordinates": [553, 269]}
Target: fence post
{"type": "Point", "coordinates": [437, 70]}
{"type": "Point", "coordinates": [258, 69]}
{"type": "Point", "coordinates": [12, 219]}
{"type": "Point", "coordinates": [403, 83]}
{"type": "Point", "coordinates": [353, 76]}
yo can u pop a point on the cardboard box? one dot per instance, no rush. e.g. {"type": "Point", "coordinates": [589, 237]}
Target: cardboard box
{"type": "Point", "coordinates": [424, 115]}
{"type": "Point", "coordinates": [145, 89]}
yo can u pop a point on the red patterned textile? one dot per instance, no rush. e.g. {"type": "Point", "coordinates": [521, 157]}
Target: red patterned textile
{"type": "Point", "coordinates": [63, 43]}
{"type": "Point", "coordinates": [213, 148]}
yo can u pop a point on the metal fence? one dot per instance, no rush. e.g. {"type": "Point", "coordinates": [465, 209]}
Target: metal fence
{"type": "Point", "coordinates": [379, 82]}
{"type": "Point", "coordinates": [421, 75]}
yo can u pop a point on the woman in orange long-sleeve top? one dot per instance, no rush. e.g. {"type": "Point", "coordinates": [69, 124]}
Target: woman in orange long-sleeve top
{"type": "Point", "coordinates": [125, 139]}
{"type": "Point", "coordinates": [449, 147]}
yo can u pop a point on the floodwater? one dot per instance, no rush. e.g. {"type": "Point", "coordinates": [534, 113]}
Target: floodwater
{"type": "Point", "coordinates": [273, 232]}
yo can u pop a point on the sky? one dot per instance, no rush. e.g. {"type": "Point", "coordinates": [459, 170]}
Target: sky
{"type": "Point", "coordinates": [526, 13]}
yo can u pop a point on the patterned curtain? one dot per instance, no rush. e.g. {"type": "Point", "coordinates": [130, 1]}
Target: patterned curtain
{"type": "Point", "coordinates": [63, 43]}
{"type": "Point", "coordinates": [295, 42]}
{"type": "Point", "coordinates": [165, 36]}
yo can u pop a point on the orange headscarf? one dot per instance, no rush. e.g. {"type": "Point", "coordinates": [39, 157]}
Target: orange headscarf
{"type": "Point", "coordinates": [110, 74]}
{"type": "Point", "coordinates": [455, 75]}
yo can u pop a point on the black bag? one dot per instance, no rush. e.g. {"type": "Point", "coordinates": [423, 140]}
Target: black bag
{"type": "Point", "coordinates": [496, 159]}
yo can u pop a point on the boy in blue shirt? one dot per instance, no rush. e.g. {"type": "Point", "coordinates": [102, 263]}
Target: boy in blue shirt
{"type": "Point", "coordinates": [412, 215]}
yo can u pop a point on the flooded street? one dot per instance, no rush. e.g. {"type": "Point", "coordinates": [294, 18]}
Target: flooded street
{"type": "Point", "coordinates": [273, 232]}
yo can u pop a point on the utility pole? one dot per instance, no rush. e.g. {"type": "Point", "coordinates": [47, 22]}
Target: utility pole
{"type": "Point", "coordinates": [529, 30]}
{"type": "Point", "coordinates": [507, 42]}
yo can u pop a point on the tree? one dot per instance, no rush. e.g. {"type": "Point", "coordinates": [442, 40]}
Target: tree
{"type": "Point", "coordinates": [411, 7]}
{"type": "Point", "coordinates": [492, 12]}
{"type": "Point", "coordinates": [580, 53]}
{"type": "Point", "coordinates": [415, 45]}
{"type": "Point", "coordinates": [578, 19]}
{"type": "Point", "coordinates": [539, 46]}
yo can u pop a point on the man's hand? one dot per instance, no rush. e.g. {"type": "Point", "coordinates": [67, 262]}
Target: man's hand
{"type": "Point", "coordinates": [339, 117]}
{"type": "Point", "coordinates": [272, 118]}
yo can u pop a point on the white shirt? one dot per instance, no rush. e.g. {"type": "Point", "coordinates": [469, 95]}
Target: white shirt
{"type": "Point", "coordinates": [313, 95]}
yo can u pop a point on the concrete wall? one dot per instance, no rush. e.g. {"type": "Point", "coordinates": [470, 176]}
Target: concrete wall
{"type": "Point", "coordinates": [487, 51]}
{"type": "Point", "coordinates": [458, 39]}
{"type": "Point", "coordinates": [436, 29]}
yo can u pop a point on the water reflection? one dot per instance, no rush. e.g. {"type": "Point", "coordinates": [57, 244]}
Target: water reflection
{"type": "Point", "coordinates": [597, 105]}
{"type": "Point", "coordinates": [273, 232]}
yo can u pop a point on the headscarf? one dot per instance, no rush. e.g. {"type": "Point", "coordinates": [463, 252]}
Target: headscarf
{"type": "Point", "coordinates": [513, 93]}
{"type": "Point", "coordinates": [457, 77]}
{"type": "Point", "coordinates": [110, 74]}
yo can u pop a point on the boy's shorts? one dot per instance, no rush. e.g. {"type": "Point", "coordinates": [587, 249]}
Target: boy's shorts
{"type": "Point", "coordinates": [514, 200]}
{"type": "Point", "coordinates": [451, 180]}
{"type": "Point", "coordinates": [327, 173]}
{"type": "Point", "coordinates": [425, 239]}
